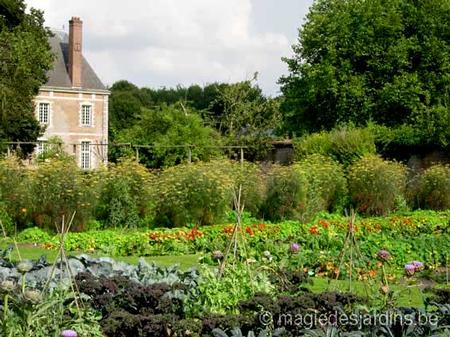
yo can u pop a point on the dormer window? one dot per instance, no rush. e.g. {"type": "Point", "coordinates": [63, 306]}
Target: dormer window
{"type": "Point", "coordinates": [44, 113]}
{"type": "Point", "coordinates": [86, 115]}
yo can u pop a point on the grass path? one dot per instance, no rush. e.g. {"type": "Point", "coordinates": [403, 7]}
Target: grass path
{"type": "Point", "coordinates": [31, 252]}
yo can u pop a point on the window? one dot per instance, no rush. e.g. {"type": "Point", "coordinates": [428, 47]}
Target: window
{"type": "Point", "coordinates": [86, 115]}
{"type": "Point", "coordinates": [85, 155]}
{"type": "Point", "coordinates": [40, 148]}
{"type": "Point", "coordinates": [44, 113]}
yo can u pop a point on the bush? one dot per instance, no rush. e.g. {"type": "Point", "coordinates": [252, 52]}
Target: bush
{"type": "Point", "coordinates": [434, 188]}
{"type": "Point", "coordinates": [59, 188]}
{"type": "Point", "coordinates": [250, 177]}
{"type": "Point", "coordinates": [317, 183]}
{"type": "Point", "coordinates": [345, 144]}
{"type": "Point", "coordinates": [14, 191]}
{"type": "Point", "coordinates": [376, 185]}
{"type": "Point", "coordinates": [287, 192]}
{"type": "Point", "coordinates": [197, 193]}
{"type": "Point", "coordinates": [125, 197]}
{"type": "Point", "coordinates": [327, 184]}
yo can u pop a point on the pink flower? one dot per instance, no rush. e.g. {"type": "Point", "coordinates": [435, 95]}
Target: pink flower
{"type": "Point", "coordinates": [384, 255]}
{"type": "Point", "coordinates": [69, 333]}
{"type": "Point", "coordinates": [294, 248]}
{"type": "Point", "coordinates": [410, 269]}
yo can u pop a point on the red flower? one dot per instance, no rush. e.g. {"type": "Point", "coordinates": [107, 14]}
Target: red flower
{"type": "Point", "coordinates": [249, 231]}
{"type": "Point", "coordinates": [314, 230]}
{"type": "Point", "coordinates": [324, 223]}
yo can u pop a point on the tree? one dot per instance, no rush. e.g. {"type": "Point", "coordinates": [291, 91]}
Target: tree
{"type": "Point", "coordinates": [25, 58]}
{"type": "Point", "coordinates": [168, 128]}
{"type": "Point", "coordinates": [385, 61]}
{"type": "Point", "coordinates": [249, 118]}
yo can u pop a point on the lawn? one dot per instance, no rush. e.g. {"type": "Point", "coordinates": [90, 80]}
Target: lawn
{"type": "Point", "coordinates": [31, 252]}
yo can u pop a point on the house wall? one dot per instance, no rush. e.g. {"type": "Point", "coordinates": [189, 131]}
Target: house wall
{"type": "Point", "coordinates": [65, 121]}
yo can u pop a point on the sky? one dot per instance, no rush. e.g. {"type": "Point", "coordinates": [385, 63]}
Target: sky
{"type": "Point", "coordinates": [163, 43]}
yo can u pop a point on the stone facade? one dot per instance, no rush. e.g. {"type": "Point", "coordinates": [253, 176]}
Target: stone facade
{"type": "Point", "coordinates": [65, 121]}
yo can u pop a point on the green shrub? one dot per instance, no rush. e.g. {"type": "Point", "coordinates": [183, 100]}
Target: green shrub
{"type": "Point", "coordinates": [15, 190]}
{"type": "Point", "coordinates": [327, 184]}
{"type": "Point", "coordinates": [434, 188]}
{"type": "Point", "coordinates": [33, 235]}
{"type": "Point", "coordinates": [317, 183]}
{"type": "Point", "coordinates": [345, 144]}
{"type": "Point", "coordinates": [125, 199]}
{"type": "Point", "coordinates": [59, 188]}
{"type": "Point", "coordinates": [197, 193]}
{"type": "Point", "coordinates": [376, 185]}
{"type": "Point", "coordinates": [286, 195]}
{"type": "Point", "coordinates": [250, 177]}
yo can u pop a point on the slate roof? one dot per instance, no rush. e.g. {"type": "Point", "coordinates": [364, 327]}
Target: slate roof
{"type": "Point", "coordinates": [58, 76]}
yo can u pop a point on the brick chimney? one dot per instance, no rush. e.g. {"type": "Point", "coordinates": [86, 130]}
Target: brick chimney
{"type": "Point", "coordinates": [75, 43]}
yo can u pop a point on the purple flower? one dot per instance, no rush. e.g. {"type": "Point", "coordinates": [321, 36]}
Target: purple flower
{"type": "Point", "coordinates": [417, 265]}
{"type": "Point", "coordinates": [383, 255]}
{"type": "Point", "coordinates": [69, 333]}
{"type": "Point", "coordinates": [294, 248]}
{"type": "Point", "coordinates": [410, 269]}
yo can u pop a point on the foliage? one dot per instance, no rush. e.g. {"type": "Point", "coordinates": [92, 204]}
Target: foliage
{"type": "Point", "coordinates": [314, 184]}
{"type": "Point", "coordinates": [434, 188]}
{"type": "Point", "coordinates": [376, 186]}
{"type": "Point", "coordinates": [59, 188]}
{"type": "Point", "coordinates": [33, 235]}
{"type": "Point", "coordinates": [14, 190]}
{"type": "Point", "coordinates": [125, 190]}
{"type": "Point", "coordinates": [197, 193]}
{"type": "Point", "coordinates": [327, 185]}
{"type": "Point", "coordinates": [360, 61]}
{"type": "Point", "coordinates": [25, 58]}
{"type": "Point", "coordinates": [29, 313]}
{"type": "Point", "coordinates": [344, 144]}
{"type": "Point", "coordinates": [167, 126]}
{"type": "Point", "coordinates": [249, 118]}
{"type": "Point", "coordinates": [286, 196]}
{"type": "Point", "coordinates": [221, 294]}
{"type": "Point", "coordinates": [53, 149]}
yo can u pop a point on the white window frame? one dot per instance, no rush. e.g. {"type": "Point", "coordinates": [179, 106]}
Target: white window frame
{"type": "Point", "coordinates": [41, 146]}
{"type": "Point", "coordinates": [49, 112]}
{"type": "Point", "coordinates": [89, 122]}
{"type": "Point", "coordinates": [86, 162]}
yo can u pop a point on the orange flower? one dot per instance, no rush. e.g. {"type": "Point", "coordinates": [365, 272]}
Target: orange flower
{"type": "Point", "coordinates": [324, 223]}
{"type": "Point", "coordinates": [314, 230]}
{"type": "Point", "coordinates": [249, 231]}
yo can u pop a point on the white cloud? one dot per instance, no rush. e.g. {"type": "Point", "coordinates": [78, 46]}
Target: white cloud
{"type": "Point", "coordinates": [169, 42]}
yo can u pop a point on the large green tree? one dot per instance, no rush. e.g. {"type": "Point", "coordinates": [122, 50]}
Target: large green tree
{"type": "Point", "coordinates": [168, 128]}
{"type": "Point", "coordinates": [25, 58]}
{"type": "Point", "coordinates": [385, 61]}
{"type": "Point", "coordinates": [248, 118]}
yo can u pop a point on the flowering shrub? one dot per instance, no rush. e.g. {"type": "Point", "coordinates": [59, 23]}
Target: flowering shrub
{"type": "Point", "coordinates": [316, 183]}
{"type": "Point", "coordinates": [434, 188]}
{"type": "Point", "coordinates": [125, 194]}
{"type": "Point", "coordinates": [193, 193]}
{"type": "Point", "coordinates": [60, 188]}
{"type": "Point", "coordinates": [287, 192]}
{"type": "Point", "coordinates": [376, 185]}
{"type": "Point", "coordinates": [327, 185]}
{"type": "Point", "coordinates": [14, 191]}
